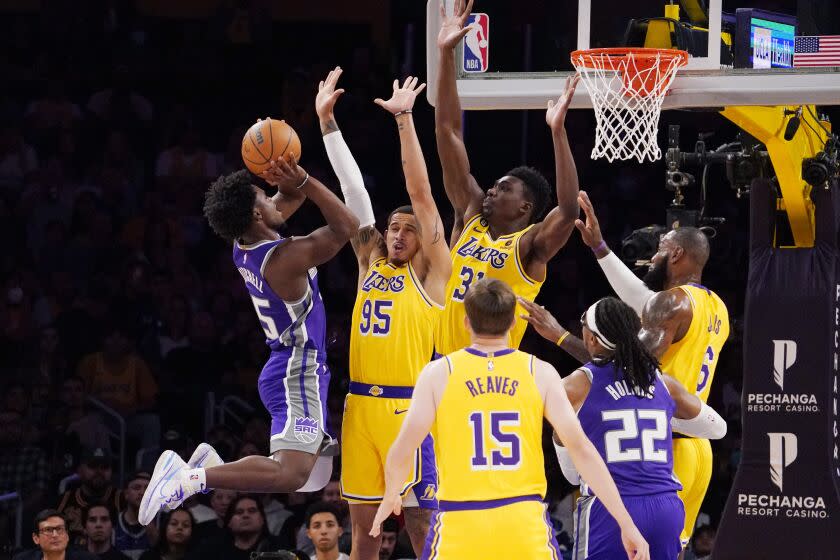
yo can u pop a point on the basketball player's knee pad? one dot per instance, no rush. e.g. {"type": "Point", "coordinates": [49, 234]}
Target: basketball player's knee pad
{"type": "Point", "coordinates": [319, 476]}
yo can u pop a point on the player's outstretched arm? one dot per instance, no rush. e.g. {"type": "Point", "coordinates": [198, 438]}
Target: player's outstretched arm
{"type": "Point", "coordinates": [302, 253]}
{"type": "Point", "coordinates": [692, 416]}
{"type": "Point", "coordinates": [368, 244]}
{"type": "Point", "coordinates": [629, 287]}
{"type": "Point", "coordinates": [561, 416]}
{"type": "Point", "coordinates": [461, 187]}
{"type": "Point", "coordinates": [418, 421]}
{"type": "Point", "coordinates": [436, 265]}
{"type": "Point", "coordinates": [547, 327]}
{"type": "Point", "coordinates": [544, 240]}
{"type": "Point", "coordinates": [666, 318]}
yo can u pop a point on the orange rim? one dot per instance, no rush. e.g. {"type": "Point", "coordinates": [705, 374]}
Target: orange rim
{"type": "Point", "coordinates": [644, 57]}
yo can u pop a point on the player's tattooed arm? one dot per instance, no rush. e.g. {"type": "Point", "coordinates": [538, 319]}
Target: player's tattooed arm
{"type": "Point", "coordinates": [368, 245]}
{"type": "Point", "coordinates": [326, 99]}
{"type": "Point", "coordinates": [665, 320]}
{"type": "Point", "coordinates": [328, 126]}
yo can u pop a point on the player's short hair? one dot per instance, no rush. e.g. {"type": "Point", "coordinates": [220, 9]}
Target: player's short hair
{"type": "Point", "coordinates": [490, 306]}
{"type": "Point", "coordinates": [537, 189]}
{"type": "Point", "coordinates": [322, 507]}
{"type": "Point", "coordinates": [229, 204]}
{"type": "Point", "coordinates": [407, 209]}
{"type": "Point", "coordinates": [694, 242]}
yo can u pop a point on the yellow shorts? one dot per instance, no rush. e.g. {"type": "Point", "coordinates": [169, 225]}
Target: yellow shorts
{"type": "Point", "coordinates": [370, 426]}
{"type": "Point", "coordinates": [517, 530]}
{"type": "Point", "coordinates": [693, 466]}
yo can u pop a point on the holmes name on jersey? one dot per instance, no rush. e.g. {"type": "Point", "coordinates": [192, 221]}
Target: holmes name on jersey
{"type": "Point", "coordinates": [471, 248]}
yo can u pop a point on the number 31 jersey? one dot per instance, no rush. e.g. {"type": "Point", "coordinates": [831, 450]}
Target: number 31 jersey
{"type": "Point", "coordinates": [632, 432]}
{"type": "Point", "coordinates": [393, 325]}
{"type": "Point", "coordinates": [474, 256]}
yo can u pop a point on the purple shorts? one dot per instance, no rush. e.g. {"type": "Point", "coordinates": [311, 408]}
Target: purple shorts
{"type": "Point", "coordinates": [659, 518]}
{"type": "Point", "coordinates": [293, 388]}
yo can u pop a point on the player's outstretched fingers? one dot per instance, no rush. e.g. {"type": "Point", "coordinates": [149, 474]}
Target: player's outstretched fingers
{"type": "Point", "coordinates": [421, 88]}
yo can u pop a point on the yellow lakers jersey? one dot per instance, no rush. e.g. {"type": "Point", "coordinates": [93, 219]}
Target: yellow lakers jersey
{"type": "Point", "coordinates": [392, 334]}
{"type": "Point", "coordinates": [474, 256]}
{"type": "Point", "coordinates": [492, 412]}
{"type": "Point", "coordinates": [692, 360]}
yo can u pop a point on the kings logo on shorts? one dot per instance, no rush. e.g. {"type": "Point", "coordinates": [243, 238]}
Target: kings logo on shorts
{"type": "Point", "coordinates": [306, 429]}
{"type": "Point", "coordinates": [477, 44]}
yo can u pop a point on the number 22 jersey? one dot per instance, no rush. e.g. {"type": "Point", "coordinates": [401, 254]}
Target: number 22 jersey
{"type": "Point", "coordinates": [476, 255]}
{"type": "Point", "coordinates": [631, 432]}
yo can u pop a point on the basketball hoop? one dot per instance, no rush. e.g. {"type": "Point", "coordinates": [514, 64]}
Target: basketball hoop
{"type": "Point", "coordinates": [627, 86]}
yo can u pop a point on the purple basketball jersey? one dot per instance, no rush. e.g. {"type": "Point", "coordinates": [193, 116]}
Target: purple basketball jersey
{"type": "Point", "coordinates": [301, 323]}
{"type": "Point", "coordinates": [631, 432]}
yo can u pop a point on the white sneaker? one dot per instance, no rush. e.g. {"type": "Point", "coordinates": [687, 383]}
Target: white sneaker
{"type": "Point", "coordinates": [167, 487]}
{"type": "Point", "coordinates": [204, 456]}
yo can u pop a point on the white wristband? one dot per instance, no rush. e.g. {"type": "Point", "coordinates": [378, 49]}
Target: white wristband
{"type": "Point", "coordinates": [707, 425]}
{"type": "Point", "coordinates": [566, 463]}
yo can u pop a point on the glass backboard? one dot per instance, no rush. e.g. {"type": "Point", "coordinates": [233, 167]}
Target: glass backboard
{"type": "Point", "coordinates": [740, 55]}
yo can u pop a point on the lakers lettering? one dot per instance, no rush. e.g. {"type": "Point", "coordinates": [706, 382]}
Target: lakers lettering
{"type": "Point", "coordinates": [471, 248]}
{"type": "Point", "coordinates": [382, 283]}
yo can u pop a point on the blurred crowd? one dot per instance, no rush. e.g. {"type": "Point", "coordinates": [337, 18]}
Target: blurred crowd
{"type": "Point", "coordinates": [121, 312]}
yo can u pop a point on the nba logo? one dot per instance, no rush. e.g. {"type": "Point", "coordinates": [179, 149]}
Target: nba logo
{"type": "Point", "coordinates": [477, 44]}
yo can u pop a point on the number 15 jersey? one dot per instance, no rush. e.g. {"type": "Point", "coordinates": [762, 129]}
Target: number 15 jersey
{"type": "Point", "coordinates": [394, 320]}
{"type": "Point", "coordinates": [474, 256]}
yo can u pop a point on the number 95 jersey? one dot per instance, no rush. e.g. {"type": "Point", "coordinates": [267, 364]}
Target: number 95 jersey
{"type": "Point", "coordinates": [474, 256]}
{"type": "Point", "coordinates": [393, 325]}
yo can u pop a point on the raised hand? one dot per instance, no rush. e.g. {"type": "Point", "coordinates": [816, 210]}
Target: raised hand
{"type": "Point", "coordinates": [403, 97]}
{"type": "Point", "coordinates": [543, 322]}
{"type": "Point", "coordinates": [327, 94]}
{"type": "Point", "coordinates": [555, 116]}
{"type": "Point", "coordinates": [452, 28]}
{"type": "Point", "coordinates": [590, 231]}
{"type": "Point", "coordinates": [287, 176]}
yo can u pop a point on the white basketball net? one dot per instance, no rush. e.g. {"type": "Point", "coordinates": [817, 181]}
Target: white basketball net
{"type": "Point", "coordinates": [627, 96]}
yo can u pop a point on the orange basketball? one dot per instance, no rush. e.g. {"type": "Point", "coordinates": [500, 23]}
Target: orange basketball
{"type": "Point", "coordinates": [268, 140]}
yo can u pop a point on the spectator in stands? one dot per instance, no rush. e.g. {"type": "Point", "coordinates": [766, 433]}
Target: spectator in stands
{"type": "Point", "coordinates": [177, 540]}
{"type": "Point", "coordinates": [49, 533]}
{"type": "Point", "coordinates": [131, 538]}
{"type": "Point", "coordinates": [23, 468]}
{"type": "Point", "coordinates": [324, 529]}
{"type": "Point", "coordinates": [245, 532]}
{"type": "Point", "coordinates": [81, 420]}
{"type": "Point", "coordinates": [18, 160]}
{"type": "Point", "coordinates": [331, 494]}
{"type": "Point", "coordinates": [95, 487]}
{"type": "Point", "coordinates": [121, 379]}
{"type": "Point", "coordinates": [702, 543]}
{"type": "Point", "coordinates": [99, 532]}
{"type": "Point", "coordinates": [220, 501]}
{"type": "Point", "coordinates": [390, 530]}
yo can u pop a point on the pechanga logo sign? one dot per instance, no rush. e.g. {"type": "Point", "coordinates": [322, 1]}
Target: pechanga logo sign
{"type": "Point", "coordinates": [784, 357]}
{"type": "Point", "coordinates": [783, 451]}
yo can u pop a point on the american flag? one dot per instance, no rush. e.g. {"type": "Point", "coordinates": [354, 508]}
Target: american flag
{"type": "Point", "coordinates": [821, 50]}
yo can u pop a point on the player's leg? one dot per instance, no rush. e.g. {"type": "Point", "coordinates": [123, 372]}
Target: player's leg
{"type": "Point", "coordinates": [365, 547]}
{"type": "Point", "coordinates": [293, 388]}
{"type": "Point", "coordinates": [362, 472]}
{"type": "Point", "coordinates": [693, 467]}
{"type": "Point", "coordinates": [421, 502]}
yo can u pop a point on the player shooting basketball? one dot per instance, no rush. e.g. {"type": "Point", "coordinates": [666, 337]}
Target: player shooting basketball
{"type": "Point", "coordinates": [498, 233]}
{"type": "Point", "coordinates": [684, 324]}
{"type": "Point", "coordinates": [402, 277]}
{"type": "Point", "coordinates": [282, 281]}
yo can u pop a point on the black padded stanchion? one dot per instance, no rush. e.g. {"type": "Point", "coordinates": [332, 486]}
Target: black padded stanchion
{"type": "Point", "coordinates": [784, 501]}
